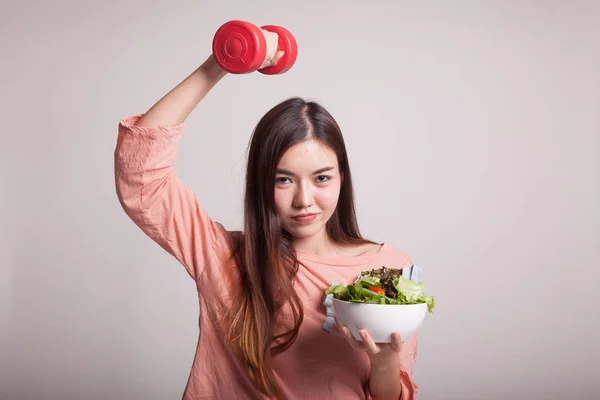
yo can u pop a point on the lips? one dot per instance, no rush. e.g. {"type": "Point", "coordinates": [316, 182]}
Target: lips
{"type": "Point", "coordinates": [305, 218]}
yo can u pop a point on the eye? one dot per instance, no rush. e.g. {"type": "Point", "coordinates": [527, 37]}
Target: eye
{"type": "Point", "coordinates": [323, 178]}
{"type": "Point", "coordinates": [281, 180]}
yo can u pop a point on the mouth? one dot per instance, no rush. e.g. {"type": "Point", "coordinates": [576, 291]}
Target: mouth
{"type": "Point", "coordinates": [305, 218]}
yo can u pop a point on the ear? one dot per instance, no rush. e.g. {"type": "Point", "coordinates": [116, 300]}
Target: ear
{"type": "Point", "coordinates": [342, 177]}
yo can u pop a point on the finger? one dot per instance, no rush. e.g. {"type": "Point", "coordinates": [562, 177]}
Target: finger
{"type": "Point", "coordinates": [370, 346]}
{"type": "Point", "coordinates": [337, 323]}
{"type": "Point", "coordinates": [277, 57]}
{"type": "Point", "coordinates": [353, 342]}
{"type": "Point", "coordinates": [396, 342]}
{"type": "Point", "coordinates": [349, 338]}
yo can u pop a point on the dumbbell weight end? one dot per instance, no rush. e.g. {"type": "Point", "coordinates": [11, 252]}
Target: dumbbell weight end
{"type": "Point", "coordinates": [239, 47]}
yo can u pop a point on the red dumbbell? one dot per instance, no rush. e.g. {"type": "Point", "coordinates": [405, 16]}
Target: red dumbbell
{"type": "Point", "coordinates": [240, 48]}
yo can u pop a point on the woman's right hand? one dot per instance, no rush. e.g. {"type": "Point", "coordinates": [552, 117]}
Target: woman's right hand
{"type": "Point", "coordinates": [272, 55]}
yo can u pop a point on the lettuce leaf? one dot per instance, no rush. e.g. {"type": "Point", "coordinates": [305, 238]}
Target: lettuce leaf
{"type": "Point", "coordinates": [398, 289]}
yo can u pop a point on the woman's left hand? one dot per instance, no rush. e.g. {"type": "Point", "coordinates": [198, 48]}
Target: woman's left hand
{"type": "Point", "coordinates": [382, 355]}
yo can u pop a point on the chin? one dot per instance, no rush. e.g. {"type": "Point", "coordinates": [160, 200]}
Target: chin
{"type": "Point", "coordinates": [304, 232]}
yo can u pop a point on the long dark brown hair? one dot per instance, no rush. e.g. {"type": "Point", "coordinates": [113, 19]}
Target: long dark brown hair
{"type": "Point", "coordinates": [266, 313]}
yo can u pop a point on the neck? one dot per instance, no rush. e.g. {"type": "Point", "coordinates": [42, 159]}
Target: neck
{"type": "Point", "coordinates": [318, 244]}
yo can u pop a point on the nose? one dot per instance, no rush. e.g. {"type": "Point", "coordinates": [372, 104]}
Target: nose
{"type": "Point", "coordinates": [303, 197]}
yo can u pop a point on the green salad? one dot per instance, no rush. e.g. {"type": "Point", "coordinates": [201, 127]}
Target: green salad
{"type": "Point", "coordinates": [383, 286]}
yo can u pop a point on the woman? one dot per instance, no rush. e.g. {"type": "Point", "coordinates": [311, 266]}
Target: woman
{"type": "Point", "coordinates": [263, 325]}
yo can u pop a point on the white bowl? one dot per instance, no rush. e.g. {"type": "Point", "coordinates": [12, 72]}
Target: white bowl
{"type": "Point", "coordinates": [380, 320]}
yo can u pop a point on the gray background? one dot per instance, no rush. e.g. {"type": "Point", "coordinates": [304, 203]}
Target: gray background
{"type": "Point", "coordinates": [472, 129]}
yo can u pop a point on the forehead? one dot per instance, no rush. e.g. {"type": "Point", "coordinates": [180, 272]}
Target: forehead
{"type": "Point", "coordinates": [307, 156]}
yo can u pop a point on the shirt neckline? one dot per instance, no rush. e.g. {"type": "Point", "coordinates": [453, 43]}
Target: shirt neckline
{"type": "Point", "coordinates": [343, 260]}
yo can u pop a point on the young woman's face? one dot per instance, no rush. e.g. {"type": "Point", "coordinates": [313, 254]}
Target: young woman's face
{"type": "Point", "coordinates": [307, 188]}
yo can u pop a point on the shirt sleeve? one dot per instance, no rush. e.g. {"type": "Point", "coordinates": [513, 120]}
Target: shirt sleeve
{"type": "Point", "coordinates": [407, 362]}
{"type": "Point", "coordinates": [155, 199]}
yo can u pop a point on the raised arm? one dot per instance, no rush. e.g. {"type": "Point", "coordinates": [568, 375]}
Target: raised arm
{"type": "Point", "coordinates": [175, 106]}
{"type": "Point", "coordinates": [145, 176]}
{"type": "Point", "coordinates": [146, 180]}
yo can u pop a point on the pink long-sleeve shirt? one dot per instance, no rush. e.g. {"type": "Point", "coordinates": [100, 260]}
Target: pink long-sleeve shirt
{"type": "Point", "coordinates": [320, 364]}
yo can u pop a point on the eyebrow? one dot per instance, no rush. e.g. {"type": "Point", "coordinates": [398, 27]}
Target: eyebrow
{"type": "Point", "coordinates": [319, 171]}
